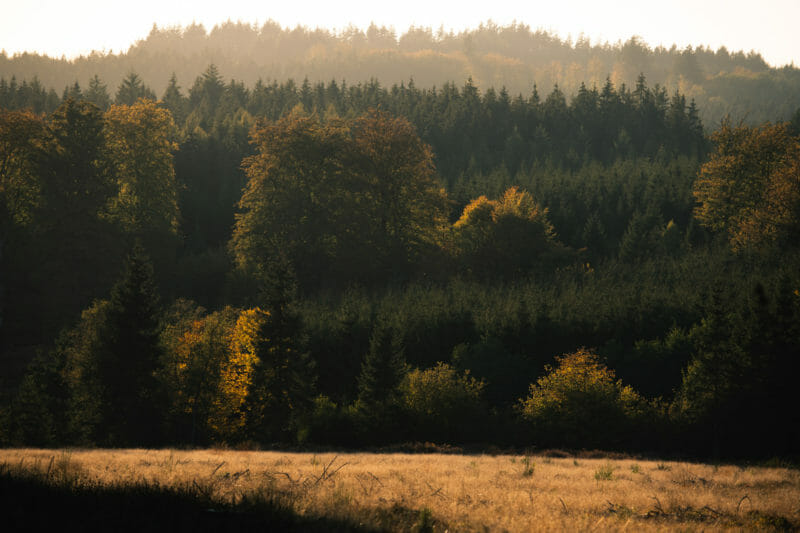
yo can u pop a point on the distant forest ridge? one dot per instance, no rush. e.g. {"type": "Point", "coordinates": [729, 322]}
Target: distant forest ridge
{"type": "Point", "coordinates": [741, 85]}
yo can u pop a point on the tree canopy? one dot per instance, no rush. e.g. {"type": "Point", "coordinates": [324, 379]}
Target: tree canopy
{"type": "Point", "coordinates": [750, 187]}
{"type": "Point", "coordinates": [341, 200]}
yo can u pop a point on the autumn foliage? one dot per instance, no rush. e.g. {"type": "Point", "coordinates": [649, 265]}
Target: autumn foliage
{"type": "Point", "coordinates": [750, 187]}
{"type": "Point", "coordinates": [340, 200]}
{"type": "Point", "coordinates": [509, 236]}
{"type": "Point", "coordinates": [581, 401]}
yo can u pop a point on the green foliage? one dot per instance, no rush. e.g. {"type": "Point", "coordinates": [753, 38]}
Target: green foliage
{"type": "Point", "coordinates": [132, 89]}
{"type": "Point", "coordinates": [662, 362]}
{"type": "Point", "coordinates": [444, 405]}
{"type": "Point", "coordinates": [21, 143]}
{"type": "Point", "coordinates": [641, 238]}
{"type": "Point", "coordinates": [139, 145]}
{"type": "Point", "coordinates": [735, 391]}
{"type": "Point", "coordinates": [721, 81]}
{"type": "Point", "coordinates": [109, 363]}
{"type": "Point", "coordinates": [63, 233]}
{"type": "Point", "coordinates": [344, 220]}
{"type": "Point", "coordinates": [505, 374]}
{"type": "Point", "coordinates": [425, 522]}
{"type": "Point", "coordinates": [338, 200]}
{"type": "Point", "coordinates": [77, 178]}
{"type": "Point", "coordinates": [604, 473]}
{"type": "Point", "coordinates": [80, 348]}
{"type": "Point", "coordinates": [383, 368]}
{"type": "Point", "coordinates": [40, 406]}
{"type": "Point", "coordinates": [529, 467]}
{"type": "Point", "coordinates": [97, 93]}
{"type": "Point", "coordinates": [130, 355]}
{"type": "Point", "coordinates": [377, 410]}
{"type": "Point", "coordinates": [328, 423]}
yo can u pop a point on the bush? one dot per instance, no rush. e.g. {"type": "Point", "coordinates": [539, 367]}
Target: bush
{"type": "Point", "coordinates": [327, 423]}
{"type": "Point", "coordinates": [443, 405]}
{"type": "Point", "coordinates": [581, 404]}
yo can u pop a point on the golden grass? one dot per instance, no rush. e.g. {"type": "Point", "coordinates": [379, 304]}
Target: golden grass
{"type": "Point", "coordinates": [463, 492]}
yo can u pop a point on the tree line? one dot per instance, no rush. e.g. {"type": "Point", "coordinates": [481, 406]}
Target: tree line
{"type": "Point", "coordinates": [723, 82]}
{"type": "Point", "coordinates": [640, 295]}
{"type": "Point", "coordinates": [482, 142]}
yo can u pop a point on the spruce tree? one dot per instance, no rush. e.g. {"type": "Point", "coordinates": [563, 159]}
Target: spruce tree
{"type": "Point", "coordinates": [130, 355]}
{"type": "Point", "coordinates": [383, 367]}
{"type": "Point", "coordinates": [98, 93]}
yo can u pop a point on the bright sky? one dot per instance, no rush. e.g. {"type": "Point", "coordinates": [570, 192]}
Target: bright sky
{"type": "Point", "coordinates": [59, 27]}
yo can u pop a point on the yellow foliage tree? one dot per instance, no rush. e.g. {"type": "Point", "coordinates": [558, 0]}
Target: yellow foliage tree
{"type": "Point", "coordinates": [265, 383]}
{"type": "Point", "coordinates": [196, 351]}
{"type": "Point", "coordinates": [228, 416]}
{"type": "Point", "coordinates": [443, 404]}
{"type": "Point", "coordinates": [508, 236]}
{"type": "Point", "coordinates": [750, 187]}
{"type": "Point", "coordinates": [581, 403]}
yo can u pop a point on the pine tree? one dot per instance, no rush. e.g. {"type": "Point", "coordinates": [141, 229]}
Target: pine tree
{"type": "Point", "coordinates": [383, 367]}
{"type": "Point", "coordinates": [98, 93]}
{"type": "Point", "coordinates": [130, 355]}
{"type": "Point", "coordinates": [131, 89]}
{"type": "Point", "coordinates": [176, 102]}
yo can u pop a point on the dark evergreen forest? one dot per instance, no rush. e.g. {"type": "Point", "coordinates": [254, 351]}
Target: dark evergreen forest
{"type": "Point", "coordinates": [356, 264]}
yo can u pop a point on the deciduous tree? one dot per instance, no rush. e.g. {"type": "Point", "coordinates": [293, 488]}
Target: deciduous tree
{"type": "Point", "coordinates": [581, 403]}
{"type": "Point", "coordinates": [266, 382]}
{"type": "Point", "coordinates": [750, 187]}
{"type": "Point", "coordinates": [139, 145]}
{"type": "Point", "coordinates": [505, 237]}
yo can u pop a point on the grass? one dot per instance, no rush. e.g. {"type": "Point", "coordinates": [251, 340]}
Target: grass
{"type": "Point", "coordinates": [605, 472]}
{"type": "Point", "coordinates": [136, 490]}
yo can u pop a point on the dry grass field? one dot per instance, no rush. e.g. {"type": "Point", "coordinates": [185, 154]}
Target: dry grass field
{"type": "Point", "coordinates": [438, 492]}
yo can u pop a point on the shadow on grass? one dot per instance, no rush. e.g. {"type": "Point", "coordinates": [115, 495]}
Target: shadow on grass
{"type": "Point", "coordinates": [32, 503]}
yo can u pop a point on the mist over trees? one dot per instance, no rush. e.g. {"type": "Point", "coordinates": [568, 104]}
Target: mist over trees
{"type": "Point", "coordinates": [722, 82]}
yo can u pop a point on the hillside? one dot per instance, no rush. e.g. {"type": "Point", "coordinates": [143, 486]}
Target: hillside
{"type": "Point", "coordinates": [517, 57]}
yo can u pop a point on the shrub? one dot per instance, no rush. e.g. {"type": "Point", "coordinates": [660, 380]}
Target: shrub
{"type": "Point", "coordinates": [444, 405]}
{"type": "Point", "coordinates": [579, 403]}
{"type": "Point", "coordinates": [327, 423]}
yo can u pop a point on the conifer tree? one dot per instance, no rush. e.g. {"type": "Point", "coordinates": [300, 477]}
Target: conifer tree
{"type": "Point", "coordinates": [131, 89]}
{"type": "Point", "coordinates": [175, 101]}
{"type": "Point", "coordinates": [383, 367]}
{"type": "Point", "coordinates": [98, 93]}
{"type": "Point", "coordinates": [130, 355]}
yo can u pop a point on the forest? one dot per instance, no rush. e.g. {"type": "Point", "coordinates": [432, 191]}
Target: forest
{"type": "Point", "coordinates": [355, 264]}
{"type": "Point", "coordinates": [723, 82]}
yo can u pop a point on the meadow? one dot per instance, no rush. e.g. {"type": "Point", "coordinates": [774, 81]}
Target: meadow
{"type": "Point", "coordinates": [391, 491]}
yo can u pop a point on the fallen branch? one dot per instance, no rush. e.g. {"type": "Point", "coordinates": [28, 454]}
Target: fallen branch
{"type": "Point", "coordinates": [325, 475]}
{"type": "Point", "coordinates": [745, 497]}
{"type": "Point", "coordinates": [217, 468]}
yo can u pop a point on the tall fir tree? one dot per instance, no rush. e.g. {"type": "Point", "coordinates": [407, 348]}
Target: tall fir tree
{"type": "Point", "coordinates": [383, 367]}
{"type": "Point", "coordinates": [98, 93]}
{"type": "Point", "coordinates": [131, 89]}
{"type": "Point", "coordinates": [130, 356]}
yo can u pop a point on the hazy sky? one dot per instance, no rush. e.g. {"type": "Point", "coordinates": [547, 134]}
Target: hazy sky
{"type": "Point", "coordinates": [76, 27]}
